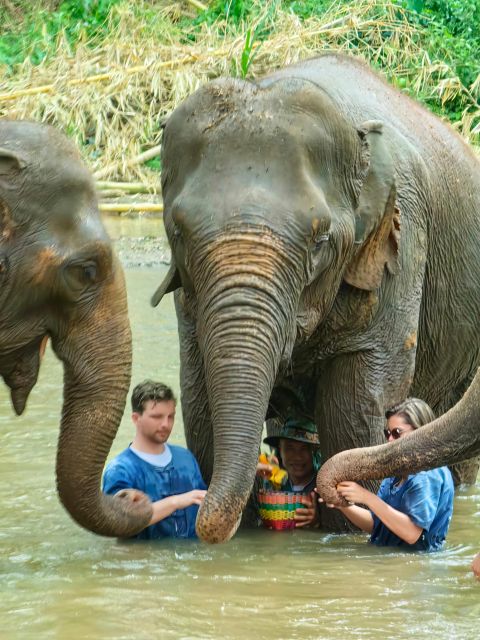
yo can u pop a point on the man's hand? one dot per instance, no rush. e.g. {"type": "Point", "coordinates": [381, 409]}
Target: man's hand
{"type": "Point", "coordinates": [166, 506]}
{"type": "Point", "coordinates": [307, 515]}
{"type": "Point", "coordinates": [185, 500]}
{"type": "Point", "coordinates": [476, 566]}
{"type": "Point", "coordinates": [264, 470]}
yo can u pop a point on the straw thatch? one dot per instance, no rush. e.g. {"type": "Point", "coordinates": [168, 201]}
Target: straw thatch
{"type": "Point", "coordinates": [113, 97]}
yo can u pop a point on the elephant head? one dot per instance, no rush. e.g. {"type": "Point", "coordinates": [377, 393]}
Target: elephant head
{"type": "Point", "coordinates": [272, 201]}
{"type": "Point", "coordinates": [59, 279]}
{"type": "Point", "coordinates": [451, 438]}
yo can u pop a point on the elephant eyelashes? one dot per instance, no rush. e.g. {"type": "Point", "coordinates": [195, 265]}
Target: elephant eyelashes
{"type": "Point", "coordinates": [3, 267]}
{"type": "Point", "coordinates": [321, 239]}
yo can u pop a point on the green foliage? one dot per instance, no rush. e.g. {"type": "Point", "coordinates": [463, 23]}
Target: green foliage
{"type": "Point", "coordinates": [447, 31]}
{"type": "Point", "coordinates": [231, 11]}
{"type": "Point", "coordinates": [37, 35]}
{"type": "Point", "coordinates": [306, 8]}
{"type": "Point", "coordinates": [452, 34]}
{"type": "Point", "coordinates": [247, 54]}
{"type": "Point", "coordinates": [154, 164]}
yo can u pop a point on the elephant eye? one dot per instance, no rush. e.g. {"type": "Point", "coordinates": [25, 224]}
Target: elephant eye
{"type": "Point", "coordinates": [89, 273]}
{"type": "Point", "coordinates": [81, 275]}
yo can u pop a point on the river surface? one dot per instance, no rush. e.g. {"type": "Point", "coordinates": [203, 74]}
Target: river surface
{"type": "Point", "coordinates": [61, 582]}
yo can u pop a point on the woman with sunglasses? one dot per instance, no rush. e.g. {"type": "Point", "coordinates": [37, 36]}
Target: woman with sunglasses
{"type": "Point", "coordinates": [413, 511]}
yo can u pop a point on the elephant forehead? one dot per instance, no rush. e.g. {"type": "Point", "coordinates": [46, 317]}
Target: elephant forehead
{"type": "Point", "coordinates": [229, 107]}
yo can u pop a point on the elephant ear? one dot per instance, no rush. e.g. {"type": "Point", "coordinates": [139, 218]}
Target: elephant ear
{"type": "Point", "coordinates": [171, 282]}
{"type": "Point", "coordinates": [377, 220]}
{"type": "Point", "coordinates": [11, 164]}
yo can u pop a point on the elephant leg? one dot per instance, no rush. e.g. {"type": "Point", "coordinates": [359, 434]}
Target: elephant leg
{"type": "Point", "coordinates": [197, 420]}
{"type": "Point", "coordinates": [351, 398]}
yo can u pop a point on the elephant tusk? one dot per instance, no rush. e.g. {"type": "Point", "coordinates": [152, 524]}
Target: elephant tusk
{"type": "Point", "coordinates": [43, 346]}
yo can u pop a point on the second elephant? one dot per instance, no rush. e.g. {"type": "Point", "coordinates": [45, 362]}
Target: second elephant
{"type": "Point", "coordinates": [324, 232]}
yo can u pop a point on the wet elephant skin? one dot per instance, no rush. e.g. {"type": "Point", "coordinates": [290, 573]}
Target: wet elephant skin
{"type": "Point", "coordinates": [325, 263]}
{"type": "Point", "coordinates": [60, 280]}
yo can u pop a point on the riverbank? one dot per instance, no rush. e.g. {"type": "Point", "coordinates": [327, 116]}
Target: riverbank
{"type": "Point", "coordinates": [111, 86]}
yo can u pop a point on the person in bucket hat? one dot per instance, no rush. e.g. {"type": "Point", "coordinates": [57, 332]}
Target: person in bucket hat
{"type": "Point", "coordinates": [296, 447]}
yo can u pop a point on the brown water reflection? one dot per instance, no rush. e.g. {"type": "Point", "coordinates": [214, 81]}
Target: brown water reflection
{"type": "Point", "coordinates": [59, 581]}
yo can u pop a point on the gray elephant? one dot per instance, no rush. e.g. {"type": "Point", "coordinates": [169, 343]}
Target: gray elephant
{"type": "Point", "coordinates": [60, 279]}
{"type": "Point", "coordinates": [325, 261]}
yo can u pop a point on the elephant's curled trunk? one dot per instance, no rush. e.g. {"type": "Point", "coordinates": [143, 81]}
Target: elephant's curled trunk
{"type": "Point", "coordinates": [451, 438]}
{"type": "Point", "coordinates": [96, 352]}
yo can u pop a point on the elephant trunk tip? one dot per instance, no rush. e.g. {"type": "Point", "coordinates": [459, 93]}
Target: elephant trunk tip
{"type": "Point", "coordinates": [327, 484]}
{"type": "Point", "coordinates": [216, 525]}
{"type": "Point", "coordinates": [120, 516]}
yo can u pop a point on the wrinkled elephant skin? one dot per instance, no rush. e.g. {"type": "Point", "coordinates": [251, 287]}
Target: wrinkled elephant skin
{"type": "Point", "coordinates": [60, 280]}
{"type": "Point", "coordinates": [324, 232]}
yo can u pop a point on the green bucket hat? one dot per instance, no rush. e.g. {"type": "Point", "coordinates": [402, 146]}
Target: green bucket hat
{"type": "Point", "coordinates": [295, 429]}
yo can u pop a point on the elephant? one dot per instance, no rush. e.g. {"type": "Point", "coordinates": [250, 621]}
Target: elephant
{"type": "Point", "coordinates": [59, 279]}
{"type": "Point", "coordinates": [325, 263]}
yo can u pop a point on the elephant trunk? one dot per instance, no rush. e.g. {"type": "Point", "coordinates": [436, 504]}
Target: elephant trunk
{"type": "Point", "coordinates": [96, 352]}
{"type": "Point", "coordinates": [245, 322]}
{"type": "Point", "coordinates": [451, 438]}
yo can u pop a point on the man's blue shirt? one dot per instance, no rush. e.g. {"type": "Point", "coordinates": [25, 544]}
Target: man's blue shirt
{"type": "Point", "coordinates": [427, 498]}
{"type": "Point", "coordinates": [180, 475]}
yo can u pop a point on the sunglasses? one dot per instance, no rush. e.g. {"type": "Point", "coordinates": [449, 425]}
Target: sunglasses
{"type": "Point", "coordinates": [395, 433]}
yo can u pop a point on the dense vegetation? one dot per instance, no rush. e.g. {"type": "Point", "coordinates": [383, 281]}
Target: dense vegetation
{"type": "Point", "coordinates": [427, 48]}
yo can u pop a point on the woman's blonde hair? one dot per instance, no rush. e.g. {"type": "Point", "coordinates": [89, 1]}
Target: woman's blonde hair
{"type": "Point", "coordinates": [415, 412]}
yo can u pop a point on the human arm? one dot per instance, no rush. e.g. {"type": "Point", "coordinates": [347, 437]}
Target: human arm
{"type": "Point", "coordinates": [166, 506]}
{"type": "Point", "coordinates": [189, 477]}
{"type": "Point", "coordinates": [476, 566]}
{"type": "Point", "coordinates": [399, 523]}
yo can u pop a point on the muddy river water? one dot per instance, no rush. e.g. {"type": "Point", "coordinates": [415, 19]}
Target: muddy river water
{"type": "Point", "coordinates": [58, 581]}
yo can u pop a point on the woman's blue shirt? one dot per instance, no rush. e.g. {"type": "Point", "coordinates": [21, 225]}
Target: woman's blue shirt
{"type": "Point", "coordinates": [427, 498]}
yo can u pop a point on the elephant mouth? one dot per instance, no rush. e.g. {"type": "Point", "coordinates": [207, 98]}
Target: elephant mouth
{"type": "Point", "coordinates": [20, 372]}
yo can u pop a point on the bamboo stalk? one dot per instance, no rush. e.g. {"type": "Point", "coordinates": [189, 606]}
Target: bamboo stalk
{"type": "Point", "coordinates": [121, 207]}
{"type": "Point", "coordinates": [110, 193]}
{"type": "Point", "coordinates": [142, 157]}
{"type": "Point", "coordinates": [129, 187]}
{"type": "Point", "coordinates": [146, 155]}
{"type": "Point", "coordinates": [100, 77]}
{"type": "Point", "coordinates": [198, 5]}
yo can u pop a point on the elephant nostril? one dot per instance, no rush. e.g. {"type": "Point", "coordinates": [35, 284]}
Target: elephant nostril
{"type": "Point", "coordinates": [131, 495]}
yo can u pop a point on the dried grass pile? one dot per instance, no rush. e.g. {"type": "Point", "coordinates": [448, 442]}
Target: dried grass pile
{"type": "Point", "coordinates": [112, 97]}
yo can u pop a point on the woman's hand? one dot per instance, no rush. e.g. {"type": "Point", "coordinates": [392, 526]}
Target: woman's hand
{"type": "Point", "coordinates": [354, 493]}
{"type": "Point", "coordinates": [307, 515]}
